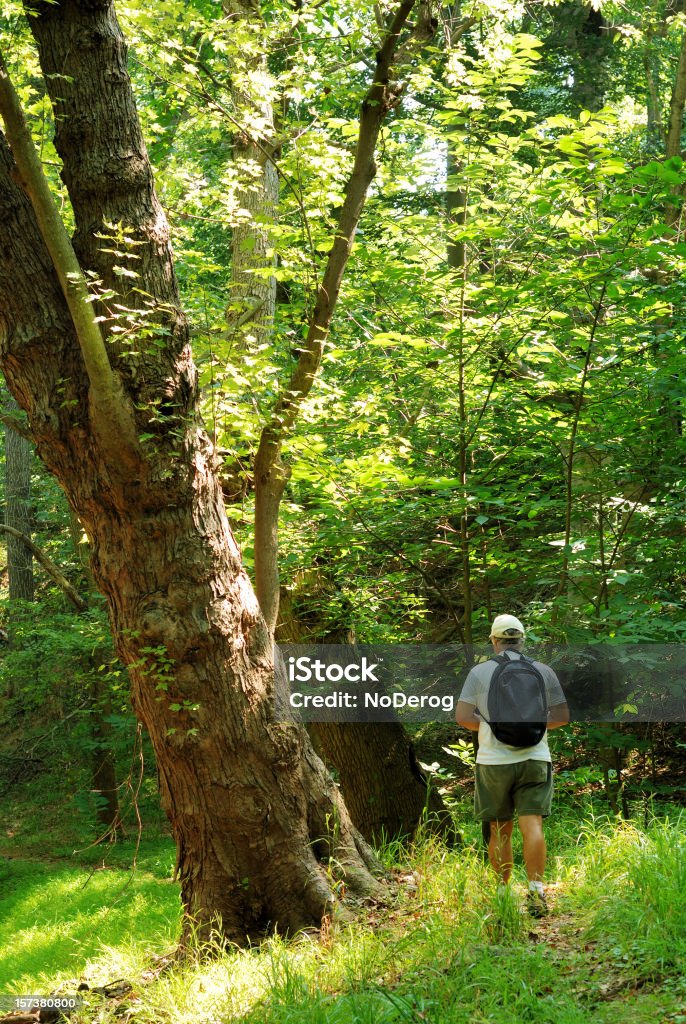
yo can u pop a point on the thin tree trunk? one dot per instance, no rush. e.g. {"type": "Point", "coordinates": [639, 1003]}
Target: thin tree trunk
{"type": "Point", "coordinates": [271, 475]}
{"type": "Point", "coordinates": [676, 125]}
{"type": "Point", "coordinates": [103, 763]}
{"type": "Point", "coordinates": [252, 300]}
{"type": "Point", "coordinates": [456, 214]}
{"type": "Point", "coordinates": [654, 128]}
{"type": "Point", "coordinates": [571, 458]}
{"type": "Point", "coordinates": [18, 459]}
{"type": "Point", "coordinates": [676, 105]}
{"type": "Point", "coordinates": [103, 760]}
{"type": "Point", "coordinates": [456, 211]}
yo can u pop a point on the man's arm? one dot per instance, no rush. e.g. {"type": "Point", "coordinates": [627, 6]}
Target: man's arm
{"type": "Point", "coordinates": [558, 715]}
{"type": "Point", "coordinates": [466, 715]}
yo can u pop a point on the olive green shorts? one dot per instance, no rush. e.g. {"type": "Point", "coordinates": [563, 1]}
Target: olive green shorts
{"type": "Point", "coordinates": [501, 789]}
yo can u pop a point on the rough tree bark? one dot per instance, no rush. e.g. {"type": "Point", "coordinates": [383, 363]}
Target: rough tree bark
{"type": "Point", "coordinates": [386, 792]}
{"type": "Point", "coordinates": [255, 815]}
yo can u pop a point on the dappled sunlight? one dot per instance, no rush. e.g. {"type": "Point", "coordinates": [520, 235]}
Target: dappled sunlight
{"type": "Point", "coordinates": [56, 918]}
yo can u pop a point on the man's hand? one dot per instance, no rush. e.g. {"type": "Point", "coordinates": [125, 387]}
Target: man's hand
{"type": "Point", "coordinates": [467, 716]}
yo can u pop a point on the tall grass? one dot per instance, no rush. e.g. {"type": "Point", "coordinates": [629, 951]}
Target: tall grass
{"type": "Point", "coordinates": [449, 948]}
{"type": "Point", "coordinates": [629, 886]}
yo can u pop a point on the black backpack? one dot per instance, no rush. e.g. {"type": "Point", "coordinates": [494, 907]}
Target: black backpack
{"type": "Point", "coordinates": [517, 702]}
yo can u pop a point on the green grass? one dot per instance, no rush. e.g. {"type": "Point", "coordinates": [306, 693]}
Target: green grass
{"type": "Point", "coordinates": [51, 817]}
{"type": "Point", "coordinates": [629, 885]}
{"type": "Point", "coordinates": [448, 948]}
{"type": "Point", "coordinates": [55, 917]}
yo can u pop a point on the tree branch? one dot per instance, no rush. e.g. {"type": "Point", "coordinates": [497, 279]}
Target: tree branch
{"type": "Point", "coordinates": [270, 474]}
{"type": "Point", "coordinates": [50, 567]}
{"type": "Point", "coordinates": [17, 425]}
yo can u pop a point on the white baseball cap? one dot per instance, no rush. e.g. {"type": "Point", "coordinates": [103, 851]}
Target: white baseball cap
{"type": "Point", "coordinates": [507, 627]}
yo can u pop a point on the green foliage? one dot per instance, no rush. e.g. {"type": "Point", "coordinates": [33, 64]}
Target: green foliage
{"type": "Point", "coordinates": [69, 704]}
{"type": "Point", "coordinates": [520, 421]}
{"type": "Point", "coordinates": [69, 649]}
{"type": "Point", "coordinates": [497, 423]}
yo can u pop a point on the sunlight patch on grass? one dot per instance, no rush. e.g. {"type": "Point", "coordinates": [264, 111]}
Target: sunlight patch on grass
{"type": "Point", "coordinates": [55, 918]}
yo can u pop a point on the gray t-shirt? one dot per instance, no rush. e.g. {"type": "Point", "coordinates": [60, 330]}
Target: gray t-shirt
{"type": "Point", "coordinates": [475, 692]}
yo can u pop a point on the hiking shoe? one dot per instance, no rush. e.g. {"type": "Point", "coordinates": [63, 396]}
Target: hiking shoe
{"type": "Point", "coordinates": [536, 903]}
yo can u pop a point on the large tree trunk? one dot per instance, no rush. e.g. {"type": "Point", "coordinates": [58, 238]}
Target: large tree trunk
{"type": "Point", "coordinates": [385, 790]}
{"type": "Point", "coordinates": [254, 813]}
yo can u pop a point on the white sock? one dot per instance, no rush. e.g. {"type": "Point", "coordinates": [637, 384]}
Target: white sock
{"type": "Point", "coordinates": [536, 887]}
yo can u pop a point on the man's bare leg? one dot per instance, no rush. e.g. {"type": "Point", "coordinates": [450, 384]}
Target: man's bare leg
{"type": "Point", "coordinates": [500, 849]}
{"type": "Point", "coordinates": [531, 827]}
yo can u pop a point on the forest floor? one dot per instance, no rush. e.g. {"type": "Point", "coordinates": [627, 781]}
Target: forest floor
{"type": "Point", "coordinates": [446, 947]}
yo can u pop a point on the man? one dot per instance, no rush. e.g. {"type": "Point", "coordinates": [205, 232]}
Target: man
{"type": "Point", "coordinates": [509, 778]}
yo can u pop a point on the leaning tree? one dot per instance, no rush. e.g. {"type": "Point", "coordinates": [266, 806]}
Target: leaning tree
{"type": "Point", "coordinates": [95, 348]}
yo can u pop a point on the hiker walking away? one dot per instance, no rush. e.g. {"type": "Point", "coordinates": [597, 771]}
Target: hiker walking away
{"type": "Point", "coordinates": [512, 701]}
